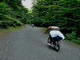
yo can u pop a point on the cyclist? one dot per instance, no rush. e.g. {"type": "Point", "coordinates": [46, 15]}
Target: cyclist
{"type": "Point", "coordinates": [32, 25]}
{"type": "Point", "coordinates": [54, 34]}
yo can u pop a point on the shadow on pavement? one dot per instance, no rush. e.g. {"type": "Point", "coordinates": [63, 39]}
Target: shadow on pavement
{"type": "Point", "coordinates": [54, 49]}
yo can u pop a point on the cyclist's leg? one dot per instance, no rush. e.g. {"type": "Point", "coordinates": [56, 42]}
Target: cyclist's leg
{"type": "Point", "coordinates": [49, 39]}
{"type": "Point", "coordinates": [58, 42]}
{"type": "Point", "coordinates": [54, 41]}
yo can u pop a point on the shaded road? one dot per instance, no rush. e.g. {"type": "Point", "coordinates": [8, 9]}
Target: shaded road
{"type": "Point", "coordinates": [31, 44]}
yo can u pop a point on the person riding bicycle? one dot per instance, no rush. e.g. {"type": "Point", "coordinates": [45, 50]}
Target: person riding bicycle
{"type": "Point", "coordinates": [32, 25]}
{"type": "Point", "coordinates": [54, 34]}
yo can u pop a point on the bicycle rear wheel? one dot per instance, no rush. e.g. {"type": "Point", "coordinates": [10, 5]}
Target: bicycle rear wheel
{"type": "Point", "coordinates": [57, 46]}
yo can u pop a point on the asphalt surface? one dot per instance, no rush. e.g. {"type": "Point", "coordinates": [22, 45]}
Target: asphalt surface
{"type": "Point", "coordinates": [31, 44]}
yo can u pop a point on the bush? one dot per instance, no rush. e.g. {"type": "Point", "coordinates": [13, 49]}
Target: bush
{"type": "Point", "coordinates": [76, 40]}
{"type": "Point", "coordinates": [71, 36]}
{"type": "Point", "coordinates": [8, 16]}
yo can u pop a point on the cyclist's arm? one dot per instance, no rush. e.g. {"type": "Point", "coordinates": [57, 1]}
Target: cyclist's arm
{"type": "Point", "coordinates": [47, 30]}
{"type": "Point", "coordinates": [61, 35]}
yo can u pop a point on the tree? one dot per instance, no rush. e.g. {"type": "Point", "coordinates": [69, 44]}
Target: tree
{"type": "Point", "coordinates": [12, 13]}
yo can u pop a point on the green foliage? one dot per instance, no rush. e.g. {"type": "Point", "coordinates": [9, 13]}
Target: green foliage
{"type": "Point", "coordinates": [73, 37]}
{"type": "Point", "coordinates": [76, 41]}
{"type": "Point", "coordinates": [12, 13]}
{"type": "Point", "coordinates": [68, 3]}
{"type": "Point", "coordinates": [60, 12]}
{"type": "Point", "coordinates": [4, 9]}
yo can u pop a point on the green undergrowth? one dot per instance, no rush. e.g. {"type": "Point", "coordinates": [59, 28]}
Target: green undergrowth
{"type": "Point", "coordinates": [43, 29]}
{"type": "Point", "coordinates": [10, 29]}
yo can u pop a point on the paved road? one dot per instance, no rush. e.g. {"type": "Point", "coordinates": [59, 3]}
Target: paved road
{"type": "Point", "coordinates": [31, 44]}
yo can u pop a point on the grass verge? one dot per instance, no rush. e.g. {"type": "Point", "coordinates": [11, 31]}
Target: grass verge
{"type": "Point", "coordinates": [43, 29]}
{"type": "Point", "coordinates": [11, 29]}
